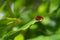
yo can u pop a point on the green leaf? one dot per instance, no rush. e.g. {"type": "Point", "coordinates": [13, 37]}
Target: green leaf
{"type": "Point", "coordinates": [58, 31]}
{"type": "Point", "coordinates": [24, 27]}
{"type": "Point", "coordinates": [34, 26]}
{"type": "Point", "coordinates": [53, 5]}
{"type": "Point", "coordinates": [40, 38]}
{"type": "Point", "coordinates": [4, 4]}
{"type": "Point", "coordinates": [42, 8]}
{"type": "Point", "coordinates": [19, 37]}
{"type": "Point", "coordinates": [52, 37]}
{"type": "Point", "coordinates": [28, 25]}
{"type": "Point", "coordinates": [18, 5]}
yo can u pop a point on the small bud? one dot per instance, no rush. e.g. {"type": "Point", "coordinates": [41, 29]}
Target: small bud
{"type": "Point", "coordinates": [39, 18]}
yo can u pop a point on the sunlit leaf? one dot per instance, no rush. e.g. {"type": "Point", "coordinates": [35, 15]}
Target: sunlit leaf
{"type": "Point", "coordinates": [19, 37]}
{"type": "Point", "coordinates": [42, 8]}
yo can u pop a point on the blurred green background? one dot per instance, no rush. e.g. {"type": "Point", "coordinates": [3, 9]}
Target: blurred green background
{"type": "Point", "coordinates": [17, 20]}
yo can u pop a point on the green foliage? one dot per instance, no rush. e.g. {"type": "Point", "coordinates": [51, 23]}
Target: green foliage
{"type": "Point", "coordinates": [18, 20]}
{"type": "Point", "coordinates": [19, 37]}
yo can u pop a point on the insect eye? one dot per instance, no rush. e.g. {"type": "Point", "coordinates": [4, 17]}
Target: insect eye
{"type": "Point", "coordinates": [39, 18]}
